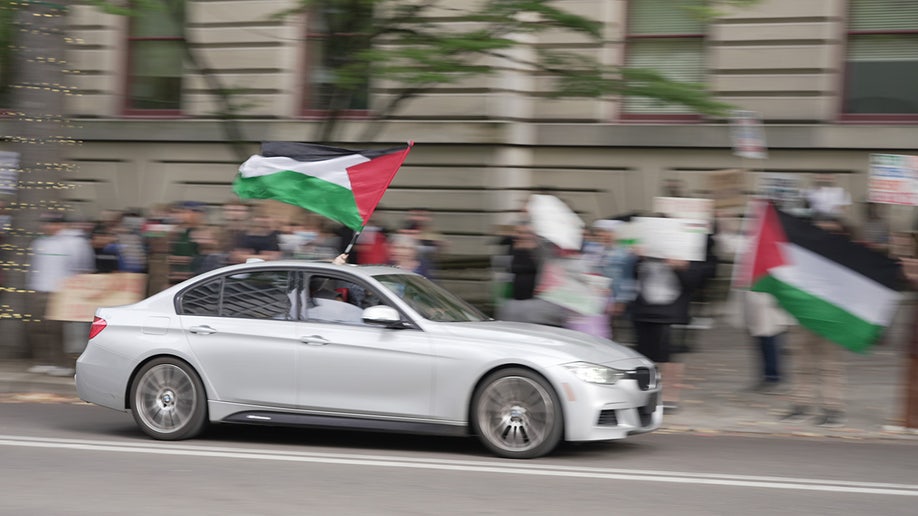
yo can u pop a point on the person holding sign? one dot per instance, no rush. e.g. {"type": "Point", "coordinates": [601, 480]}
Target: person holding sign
{"type": "Point", "coordinates": [664, 288]}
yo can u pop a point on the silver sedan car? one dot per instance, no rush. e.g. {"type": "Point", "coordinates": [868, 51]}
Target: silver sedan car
{"type": "Point", "coordinates": [364, 347]}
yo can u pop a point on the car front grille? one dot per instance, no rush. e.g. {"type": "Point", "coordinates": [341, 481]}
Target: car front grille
{"type": "Point", "coordinates": [645, 377]}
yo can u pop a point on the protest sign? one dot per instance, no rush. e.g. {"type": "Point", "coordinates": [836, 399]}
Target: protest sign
{"type": "Point", "coordinates": [893, 179]}
{"type": "Point", "coordinates": [747, 135]}
{"type": "Point", "coordinates": [727, 189]}
{"type": "Point", "coordinates": [561, 283]}
{"type": "Point", "coordinates": [668, 238]}
{"type": "Point", "coordinates": [684, 207]}
{"type": "Point", "coordinates": [80, 295]}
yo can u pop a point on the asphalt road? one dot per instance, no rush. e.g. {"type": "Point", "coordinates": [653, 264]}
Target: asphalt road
{"type": "Point", "coordinates": [65, 458]}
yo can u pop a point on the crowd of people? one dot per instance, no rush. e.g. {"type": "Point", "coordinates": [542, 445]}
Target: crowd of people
{"type": "Point", "coordinates": [642, 295]}
{"type": "Point", "coordinates": [649, 297]}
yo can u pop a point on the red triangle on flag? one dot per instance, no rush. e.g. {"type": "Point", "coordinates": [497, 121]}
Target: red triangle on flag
{"type": "Point", "coordinates": [767, 252]}
{"type": "Point", "coordinates": [369, 180]}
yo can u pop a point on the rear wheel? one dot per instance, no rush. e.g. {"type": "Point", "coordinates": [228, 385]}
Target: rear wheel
{"type": "Point", "coordinates": [517, 414]}
{"type": "Point", "coordinates": [168, 401]}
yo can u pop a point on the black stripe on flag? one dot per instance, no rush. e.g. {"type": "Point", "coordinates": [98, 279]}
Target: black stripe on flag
{"type": "Point", "coordinates": [314, 152]}
{"type": "Point", "coordinates": [840, 249]}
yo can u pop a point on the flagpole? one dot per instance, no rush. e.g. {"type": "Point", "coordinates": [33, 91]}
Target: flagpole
{"type": "Point", "coordinates": [347, 250]}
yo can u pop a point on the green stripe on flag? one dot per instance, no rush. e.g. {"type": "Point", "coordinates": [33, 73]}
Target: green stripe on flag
{"type": "Point", "coordinates": [821, 316]}
{"type": "Point", "coordinates": [323, 197]}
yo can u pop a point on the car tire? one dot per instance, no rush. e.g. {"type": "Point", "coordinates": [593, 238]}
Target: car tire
{"type": "Point", "coordinates": [168, 400]}
{"type": "Point", "coordinates": [517, 414]}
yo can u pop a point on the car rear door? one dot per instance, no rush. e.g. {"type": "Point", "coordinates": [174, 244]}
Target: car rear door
{"type": "Point", "coordinates": [241, 329]}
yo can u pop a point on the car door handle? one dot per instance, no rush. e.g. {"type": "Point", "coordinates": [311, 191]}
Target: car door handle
{"type": "Point", "coordinates": [202, 330]}
{"type": "Point", "coordinates": [314, 340]}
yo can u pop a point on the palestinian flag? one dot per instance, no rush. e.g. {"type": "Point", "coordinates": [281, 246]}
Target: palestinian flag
{"type": "Point", "coordinates": [834, 287]}
{"type": "Point", "coordinates": [344, 185]}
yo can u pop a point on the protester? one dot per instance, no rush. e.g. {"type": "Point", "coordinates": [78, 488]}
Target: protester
{"type": "Point", "coordinates": [875, 232]}
{"type": "Point", "coordinates": [819, 371]}
{"type": "Point", "coordinates": [235, 215]}
{"type": "Point", "coordinates": [62, 252]}
{"type": "Point", "coordinates": [826, 198]}
{"type": "Point", "coordinates": [403, 251]}
{"type": "Point", "coordinates": [187, 216]}
{"type": "Point", "coordinates": [664, 289]}
{"type": "Point", "coordinates": [261, 240]}
{"type": "Point", "coordinates": [616, 263]}
{"type": "Point", "coordinates": [430, 244]}
{"type": "Point", "coordinates": [768, 324]}
{"type": "Point", "coordinates": [373, 244]}
{"type": "Point", "coordinates": [126, 246]}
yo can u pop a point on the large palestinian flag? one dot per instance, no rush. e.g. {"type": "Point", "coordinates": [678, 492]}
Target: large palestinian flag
{"type": "Point", "coordinates": [344, 185]}
{"type": "Point", "coordinates": [836, 288]}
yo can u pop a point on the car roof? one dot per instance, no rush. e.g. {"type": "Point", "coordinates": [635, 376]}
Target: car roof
{"type": "Point", "coordinates": [359, 270]}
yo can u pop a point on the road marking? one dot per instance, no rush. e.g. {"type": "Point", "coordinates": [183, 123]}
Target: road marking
{"type": "Point", "coordinates": [509, 467]}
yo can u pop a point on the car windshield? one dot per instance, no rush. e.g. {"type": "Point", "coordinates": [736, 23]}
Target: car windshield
{"type": "Point", "coordinates": [430, 300]}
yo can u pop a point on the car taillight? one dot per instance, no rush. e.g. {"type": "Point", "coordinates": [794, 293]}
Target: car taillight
{"type": "Point", "coordinates": [98, 324]}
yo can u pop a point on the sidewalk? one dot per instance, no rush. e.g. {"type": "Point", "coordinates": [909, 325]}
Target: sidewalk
{"type": "Point", "coordinates": [718, 369]}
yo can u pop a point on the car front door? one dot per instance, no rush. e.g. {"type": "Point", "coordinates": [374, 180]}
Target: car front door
{"type": "Point", "coordinates": [241, 329]}
{"type": "Point", "coordinates": [348, 367]}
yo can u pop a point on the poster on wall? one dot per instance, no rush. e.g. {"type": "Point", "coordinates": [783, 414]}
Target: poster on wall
{"type": "Point", "coordinates": [9, 173]}
{"type": "Point", "coordinates": [748, 135]}
{"type": "Point", "coordinates": [893, 179]}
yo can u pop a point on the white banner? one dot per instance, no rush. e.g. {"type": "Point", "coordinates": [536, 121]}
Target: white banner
{"type": "Point", "coordinates": [677, 239]}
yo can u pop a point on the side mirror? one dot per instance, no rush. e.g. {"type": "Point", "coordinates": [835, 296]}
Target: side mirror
{"type": "Point", "coordinates": [382, 315]}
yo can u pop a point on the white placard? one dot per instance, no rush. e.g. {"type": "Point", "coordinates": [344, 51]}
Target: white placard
{"type": "Point", "coordinates": [668, 238]}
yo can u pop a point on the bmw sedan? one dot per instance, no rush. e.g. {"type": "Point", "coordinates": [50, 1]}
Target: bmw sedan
{"type": "Point", "coordinates": [361, 347]}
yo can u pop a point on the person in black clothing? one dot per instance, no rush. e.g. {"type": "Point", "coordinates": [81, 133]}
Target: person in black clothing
{"type": "Point", "coordinates": [664, 291]}
{"type": "Point", "coordinates": [524, 263]}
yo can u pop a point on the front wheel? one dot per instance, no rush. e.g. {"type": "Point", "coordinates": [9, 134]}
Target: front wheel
{"type": "Point", "coordinates": [168, 401]}
{"type": "Point", "coordinates": [517, 414]}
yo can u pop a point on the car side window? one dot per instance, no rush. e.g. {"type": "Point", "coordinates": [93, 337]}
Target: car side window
{"type": "Point", "coordinates": [258, 295]}
{"type": "Point", "coordinates": [330, 299]}
{"type": "Point", "coordinates": [203, 299]}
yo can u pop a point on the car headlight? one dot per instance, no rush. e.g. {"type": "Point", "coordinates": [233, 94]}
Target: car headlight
{"type": "Point", "coordinates": [593, 373]}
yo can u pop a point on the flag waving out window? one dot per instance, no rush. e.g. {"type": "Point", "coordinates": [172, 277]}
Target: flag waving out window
{"type": "Point", "coordinates": [341, 184]}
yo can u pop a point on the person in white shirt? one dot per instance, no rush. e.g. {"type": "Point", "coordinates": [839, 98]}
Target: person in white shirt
{"type": "Point", "coordinates": [61, 253]}
{"type": "Point", "coordinates": [827, 198]}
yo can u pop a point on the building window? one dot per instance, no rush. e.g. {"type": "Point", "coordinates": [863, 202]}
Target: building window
{"type": "Point", "coordinates": [336, 79]}
{"type": "Point", "coordinates": [156, 60]}
{"type": "Point", "coordinates": [664, 36]}
{"type": "Point", "coordinates": [882, 59]}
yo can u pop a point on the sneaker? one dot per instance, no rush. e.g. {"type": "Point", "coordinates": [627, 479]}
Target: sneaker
{"type": "Point", "coordinates": [60, 371]}
{"type": "Point", "coordinates": [831, 419]}
{"type": "Point", "coordinates": [39, 369]}
{"type": "Point", "coordinates": [796, 413]}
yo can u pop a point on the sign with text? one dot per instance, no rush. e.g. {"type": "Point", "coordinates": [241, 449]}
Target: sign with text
{"type": "Point", "coordinates": [747, 135]}
{"type": "Point", "coordinates": [727, 188]}
{"type": "Point", "coordinates": [677, 239]}
{"type": "Point", "coordinates": [562, 283]}
{"type": "Point", "coordinates": [684, 207]}
{"type": "Point", "coordinates": [80, 295]}
{"type": "Point", "coordinates": [893, 179]}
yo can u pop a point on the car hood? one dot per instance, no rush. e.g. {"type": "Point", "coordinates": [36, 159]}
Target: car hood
{"type": "Point", "coordinates": [566, 344]}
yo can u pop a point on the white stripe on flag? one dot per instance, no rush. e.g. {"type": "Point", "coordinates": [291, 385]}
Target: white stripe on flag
{"type": "Point", "coordinates": [836, 284]}
{"type": "Point", "coordinates": [332, 170]}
